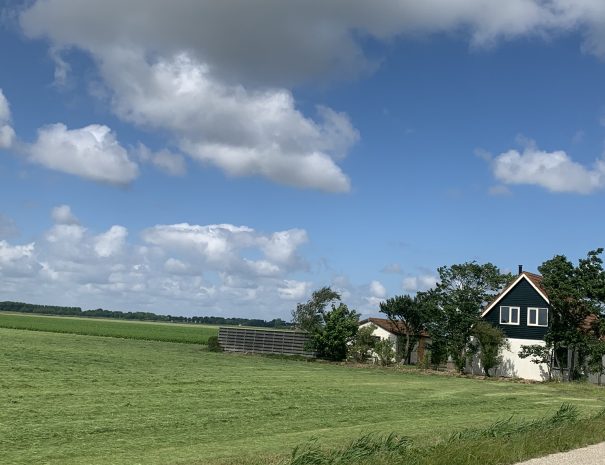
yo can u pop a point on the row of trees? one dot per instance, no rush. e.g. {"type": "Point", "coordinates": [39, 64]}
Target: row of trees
{"type": "Point", "coordinates": [450, 314]}
{"type": "Point", "coordinates": [141, 316]}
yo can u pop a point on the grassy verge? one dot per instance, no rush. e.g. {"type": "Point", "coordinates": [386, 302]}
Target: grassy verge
{"type": "Point", "coordinates": [502, 443]}
{"type": "Point", "coordinates": [166, 332]}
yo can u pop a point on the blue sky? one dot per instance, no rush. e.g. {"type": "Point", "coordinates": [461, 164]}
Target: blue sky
{"type": "Point", "coordinates": [227, 159]}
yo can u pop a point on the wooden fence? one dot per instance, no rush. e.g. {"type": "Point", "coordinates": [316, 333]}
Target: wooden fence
{"type": "Point", "coordinates": [264, 341]}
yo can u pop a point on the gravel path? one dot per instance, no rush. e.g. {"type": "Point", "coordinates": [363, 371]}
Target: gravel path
{"type": "Point", "coordinates": [591, 455]}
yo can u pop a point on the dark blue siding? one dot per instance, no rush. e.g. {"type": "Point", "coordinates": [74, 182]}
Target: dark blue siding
{"type": "Point", "coordinates": [522, 295]}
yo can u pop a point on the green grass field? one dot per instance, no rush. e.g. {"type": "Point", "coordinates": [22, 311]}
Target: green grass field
{"type": "Point", "coordinates": [72, 399]}
{"type": "Point", "coordinates": [150, 331]}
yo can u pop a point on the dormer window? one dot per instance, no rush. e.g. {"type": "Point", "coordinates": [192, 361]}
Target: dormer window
{"type": "Point", "coordinates": [537, 316]}
{"type": "Point", "coordinates": [509, 315]}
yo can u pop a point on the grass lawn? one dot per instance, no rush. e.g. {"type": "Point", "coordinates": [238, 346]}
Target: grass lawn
{"type": "Point", "coordinates": [151, 331]}
{"type": "Point", "coordinates": [71, 399]}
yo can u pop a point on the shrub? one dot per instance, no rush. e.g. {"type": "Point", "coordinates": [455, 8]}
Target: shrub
{"type": "Point", "coordinates": [385, 352]}
{"type": "Point", "coordinates": [363, 344]}
{"type": "Point", "coordinates": [214, 345]}
{"type": "Point", "coordinates": [491, 342]}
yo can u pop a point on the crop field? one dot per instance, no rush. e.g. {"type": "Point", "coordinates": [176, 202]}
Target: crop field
{"type": "Point", "coordinates": [72, 399]}
{"type": "Point", "coordinates": [151, 331]}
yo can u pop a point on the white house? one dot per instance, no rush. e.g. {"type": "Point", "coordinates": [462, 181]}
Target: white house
{"type": "Point", "coordinates": [385, 329]}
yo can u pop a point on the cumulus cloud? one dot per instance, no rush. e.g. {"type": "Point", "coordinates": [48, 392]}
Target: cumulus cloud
{"type": "Point", "coordinates": [111, 242]}
{"type": "Point", "coordinates": [242, 132]}
{"type": "Point", "coordinates": [555, 170]}
{"type": "Point", "coordinates": [91, 152]}
{"type": "Point", "coordinates": [294, 290]}
{"type": "Point", "coordinates": [181, 67]}
{"type": "Point", "coordinates": [377, 289]}
{"type": "Point", "coordinates": [222, 246]}
{"type": "Point", "coordinates": [319, 38]}
{"type": "Point", "coordinates": [418, 283]}
{"type": "Point", "coordinates": [178, 269]}
{"type": "Point", "coordinates": [7, 133]}
{"type": "Point", "coordinates": [62, 214]}
{"type": "Point", "coordinates": [17, 260]}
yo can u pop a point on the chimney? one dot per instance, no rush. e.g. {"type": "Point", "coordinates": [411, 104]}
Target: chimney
{"type": "Point", "coordinates": [520, 269]}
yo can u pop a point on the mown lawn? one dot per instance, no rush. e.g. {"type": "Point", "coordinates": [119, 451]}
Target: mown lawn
{"type": "Point", "coordinates": [71, 399]}
{"type": "Point", "coordinates": [151, 331]}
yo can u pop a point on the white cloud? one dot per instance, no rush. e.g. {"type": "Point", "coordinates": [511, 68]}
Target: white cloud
{"type": "Point", "coordinates": [242, 132]}
{"type": "Point", "coordinates": [555, 171]}
{"type": "Point", "coordinates": [7, 133]}
{"type": "Point", "coordinates": [377, 289]}
{"type": "Point", "coordinates": [17, 260]}
{"type": "Point", "coordinates": [294, 290]}
{"type": "Point", "coordinates": [181, 68]}
{"type": "Point", "coordinates": [62, 214]}
{"type": "Point", "coordinates": [111, 242]}
{"type": "Point", "coordinates": [223, 247]}
{"type": "Point", "coordinates": [419, 283]}
{"type": "Point", "coordinates": [319, 38]}
{"type": "Point", "coordinates": [90, 152]}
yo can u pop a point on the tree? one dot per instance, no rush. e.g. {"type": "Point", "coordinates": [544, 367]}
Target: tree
{"type": "Point", "coordinates": [409, 316]}
{"type": "Point", "coordinates": [576, 296]}
{"type": "Point", "coordinates": [309, 316]}
{"type": "Point", "coordinates": [490, 342]}
{"type": "Point", "coordinates": [455, 304]}
{"type": "Point", "coordinates": [331, 340]}
{"type": "Point", "coordinates": [363, 345]}
{"type": "Point", "coordinates": [331, 331]}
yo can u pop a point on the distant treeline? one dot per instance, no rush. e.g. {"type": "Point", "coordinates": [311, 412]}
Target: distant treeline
{"type": "Point", "coordinates": [143, 316]}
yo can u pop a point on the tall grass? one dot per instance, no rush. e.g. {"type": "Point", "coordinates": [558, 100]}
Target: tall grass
{"type": "Point", "coordinates": [503, 442]}
{"type": "Point", "coordinates": [166, 332]}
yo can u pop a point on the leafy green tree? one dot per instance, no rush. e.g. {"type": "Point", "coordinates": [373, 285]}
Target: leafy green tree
{"type": "Point", "coordinates": [409, 315]}
{"type": "Point", "coordinates": [339, 328]}
{"type": "Point", "coordinates": [490, 341]}
{"type": "Point", "coordinates": [575, 293]}
{"type": "Point", "coordinates": [454, 305]}
{"type": "Point", "coordinates": [310, 315]}
{"type": "Point", "coordinates": [363, 344]}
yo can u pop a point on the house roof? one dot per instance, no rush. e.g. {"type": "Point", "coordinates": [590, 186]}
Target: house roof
{"type": "Point", "coordinates": [388, 325]}
{"type": "Point", "coordinates": [534, 279]}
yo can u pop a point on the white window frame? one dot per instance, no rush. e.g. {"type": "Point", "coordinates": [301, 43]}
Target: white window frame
{"type": "Point", "coordinates": [509, 314]}
{"type": "Point", "coordinates": [537, 323]}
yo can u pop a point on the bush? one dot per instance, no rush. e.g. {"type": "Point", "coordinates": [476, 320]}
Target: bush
{"type": "Point", "coordinates": [491, 343]}
{"type": "Point", "coordinates": [385, 352]}
{"type": "Point", "coordinates": [363, 344]}
{"type": "Point", "coordinates": [214, 345]}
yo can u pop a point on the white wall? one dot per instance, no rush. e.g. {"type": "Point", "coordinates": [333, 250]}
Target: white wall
{"type": "Point", "coordinates": [513, 366]}
{"type": "Point", "coordinates": [384, 334]}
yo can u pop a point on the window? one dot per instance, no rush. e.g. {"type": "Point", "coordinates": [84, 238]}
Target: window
{"type": "Point", "coordinates": [537, 316]}
{"type": "Point", "coordinates": [509, 315]}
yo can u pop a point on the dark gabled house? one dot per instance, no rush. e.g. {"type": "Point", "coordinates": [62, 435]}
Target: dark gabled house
{"type": "Point", "coordinates": [522, 311]}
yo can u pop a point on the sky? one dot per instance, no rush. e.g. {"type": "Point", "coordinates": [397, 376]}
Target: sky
{"type": "Point", "coordinates": [227, 158]}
